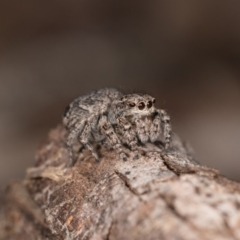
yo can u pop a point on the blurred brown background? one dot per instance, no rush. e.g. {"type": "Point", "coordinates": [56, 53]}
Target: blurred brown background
{"type": "Point", "coordinates": [186, 53]}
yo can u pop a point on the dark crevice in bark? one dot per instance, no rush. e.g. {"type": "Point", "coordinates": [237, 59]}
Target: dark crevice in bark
{"type": "Point", "coordinates": [172, 208]}
{"type": "Point", "coordinates": [123, 178]}
{"type": "Point", "coordinates": [109, 231]}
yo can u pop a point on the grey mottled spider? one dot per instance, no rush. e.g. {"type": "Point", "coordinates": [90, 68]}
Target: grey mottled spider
{"type": "Point", "coordinates": [118, 119]}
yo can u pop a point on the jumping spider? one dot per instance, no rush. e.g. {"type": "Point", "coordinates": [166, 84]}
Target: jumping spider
{"type": "Point", "coordinates": [117, 119]}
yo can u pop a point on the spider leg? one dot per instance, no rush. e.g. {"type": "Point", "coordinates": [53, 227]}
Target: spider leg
{"type": "Point", "coordinates": [142, 132]}
{"type": "Point", "coordinates": [167, 129]}
{"type": "Point", "coordinates": [155, 127]}
{"type": "Point", "coordinates": [108, 131]}
{"type": "Point", "coordinates": [72, 137]}
{"type": "Point", "coordinates": [127, 133]}
{"type": "Point", "coordinates": [84, 139]}
{"type": "Point", "coordinates": [128, 136]}
{"type": "Point", "coordinates": [81, 131]}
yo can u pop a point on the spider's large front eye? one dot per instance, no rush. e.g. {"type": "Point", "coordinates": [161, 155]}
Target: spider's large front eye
{"type": "Point", "coordinates": [149, 104]}
{"type": "Point", "coordinates": [141, 105]}
{"type": "Point", "coordinates": [131, 104]}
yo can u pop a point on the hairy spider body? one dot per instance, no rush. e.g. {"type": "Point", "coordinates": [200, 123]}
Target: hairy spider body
{"type": "Point", "coordinates": [117, 119]}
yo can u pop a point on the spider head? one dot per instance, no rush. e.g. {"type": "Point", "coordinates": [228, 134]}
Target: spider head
{"type": "Point", "coordinates": [138, 104]}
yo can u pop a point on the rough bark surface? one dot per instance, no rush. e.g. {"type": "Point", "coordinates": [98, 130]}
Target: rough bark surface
{"type": "Point", "coordinates": [158, 196]}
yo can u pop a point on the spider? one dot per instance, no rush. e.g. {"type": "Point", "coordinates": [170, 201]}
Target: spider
{"type": "Point", "coordinates": [107, 115]}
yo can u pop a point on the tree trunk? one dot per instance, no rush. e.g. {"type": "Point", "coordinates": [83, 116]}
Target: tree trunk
{"type": "Point", "coordinates": [158, 196]}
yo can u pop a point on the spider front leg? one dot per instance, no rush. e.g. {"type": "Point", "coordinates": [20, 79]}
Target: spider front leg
{"type": "Point", "coordinates": [72, 136]}
{"type": "Point", "coordinates": [128, 135]}
{"type": "Point", "coordinates": [81, 131]}
{"type": "Point", "coordinates": [142, 129]}
{"type": "Point", "coordinates": [84, 139]}
{"type": "Point", "coordinates": [162, 118]}
{"type": "Point", "coordinates": [108, 131]}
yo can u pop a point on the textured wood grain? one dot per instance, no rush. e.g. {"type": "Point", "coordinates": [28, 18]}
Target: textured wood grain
{"type": "Point", "coordinates": [159, 196]}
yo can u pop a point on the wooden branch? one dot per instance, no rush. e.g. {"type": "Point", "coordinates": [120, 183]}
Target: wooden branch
{"type": "Point", "coordinates": [155, 197]}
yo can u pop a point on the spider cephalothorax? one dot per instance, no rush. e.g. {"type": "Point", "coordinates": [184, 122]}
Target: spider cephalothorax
{"type": "Point", "coordinates": [109, 115]}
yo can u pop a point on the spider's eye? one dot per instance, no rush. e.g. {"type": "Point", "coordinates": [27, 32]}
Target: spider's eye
{"type": "Point", "coordinates": [141, 105]}
{"type": "Point", "coordinates": [154, 100]}
{"type": "Point", "coordinates": [149, 104]}
{"type": "Point", "coordinates": [131, 104]}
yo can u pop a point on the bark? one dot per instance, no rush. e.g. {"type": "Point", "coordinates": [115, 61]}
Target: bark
{"type": "Point", "coordinates": [158, 196]}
